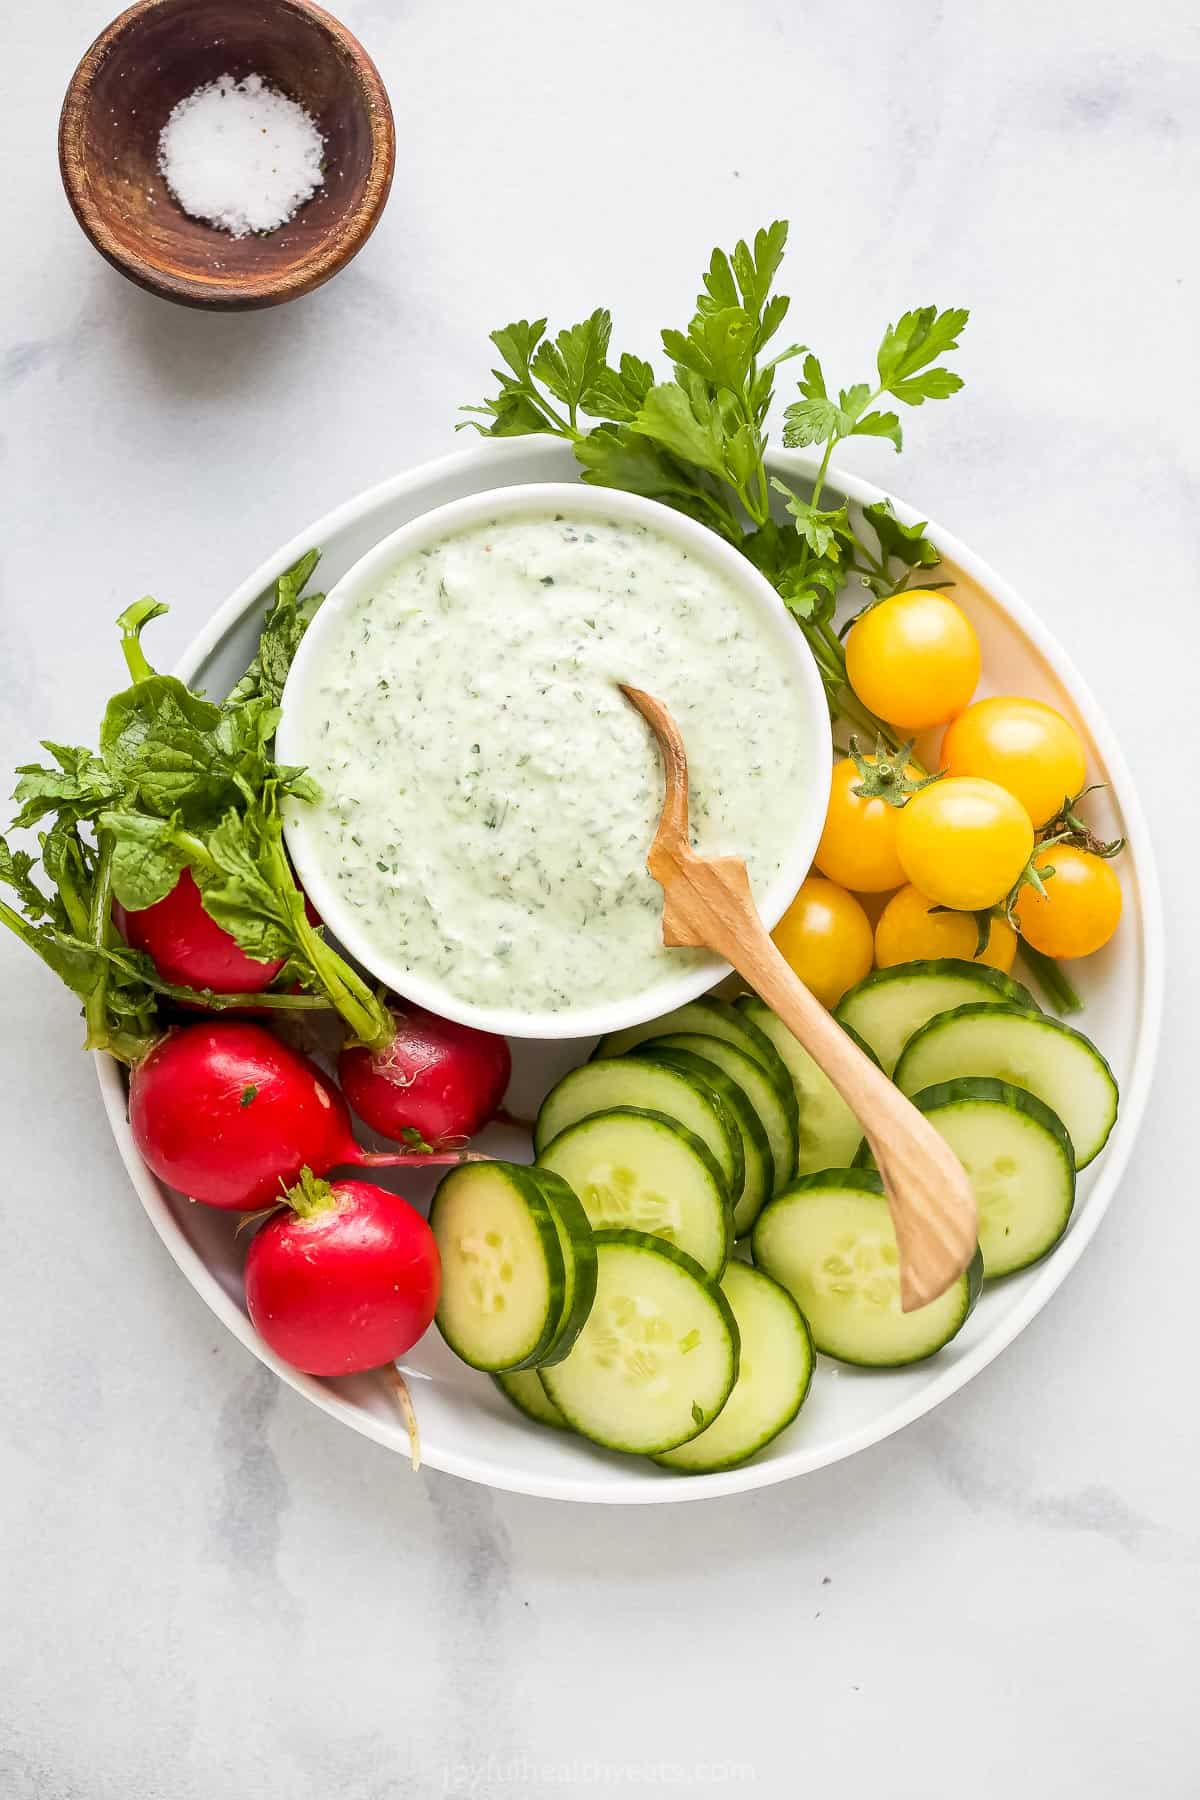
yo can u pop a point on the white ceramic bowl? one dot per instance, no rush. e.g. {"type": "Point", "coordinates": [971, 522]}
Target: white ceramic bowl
{"type": "Point", "coordinates": [305, 844]}
{"type": "Point", "coordinates": [467, 1428]}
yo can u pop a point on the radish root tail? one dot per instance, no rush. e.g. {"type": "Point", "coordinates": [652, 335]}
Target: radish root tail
{"type": "Point", "coordinates": [398, 1388]}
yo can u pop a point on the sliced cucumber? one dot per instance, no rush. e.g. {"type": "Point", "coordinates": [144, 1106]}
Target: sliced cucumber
{"type": "Point", "coordinates": [709, 1017]}
{"type": "Point", "coordinates": [598, 1087]}
{"type": "Point", "coordinates": [829, 1131]}
{"type": "Point", "coordinates": [1020, 1161]}
{"type": "Point", "coordinates": [778, 1118]}
{"type": "Point", "coordinates": [1029, 1049]}
{"type": "Point", "coordinates": [503, 1275]}
{"type": "Point", "coordinates": [890, 1005]}
{"type": "Point", "coordinates": [524, 1389]}
{"type": "Point", "coordinates": [758, 1165]}
{"type": "Point", "coordinates": [774, 1374]}
{"type": "Point", "coordinates": [658, 1357]}
{"type": "Point", "coordinates": [579, 1259]}
{"type": "Point", "coordinates": [712, 1018]}
{"type": "Point", "coordinates": [829, 1240]}
{"type": "Point", "coordinates": [639, 1169]}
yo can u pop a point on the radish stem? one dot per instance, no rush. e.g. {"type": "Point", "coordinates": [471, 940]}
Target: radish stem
{"type": "Point", "coordinates": [422, 1159]}
{"type": "Point", "coordinates": [131, 622]}
{"type": "Point", "coordinates": [95, 1006]}
{"type": "Point", "coordinates": [213, 1002]}
{"type": "Point", "coordinates": [398, 1388]}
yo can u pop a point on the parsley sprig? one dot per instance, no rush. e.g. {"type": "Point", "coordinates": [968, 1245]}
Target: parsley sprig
{"type": "Point", "coordinates": [698, 442]}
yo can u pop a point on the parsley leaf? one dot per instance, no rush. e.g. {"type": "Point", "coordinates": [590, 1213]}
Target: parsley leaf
{"type": "Point", "coordinates": [826, 532]}
{"type": "Point", "coordinates": [577, 358]}
{"type": "Point", "coordinates": [513, 414]}
{"type": "Point", "coordinates": [906, 544]}
{"type": "Point", "coordinates": [879, 424]}
{"type": "Point", "coordinates": [517, 343]}
{"type": "Point", "coordinates": [616, 456]}
{"type": "Point", "coordinates": [718, 346]}
{"type": "Point", "coordinates": [668, 417]}
{"type": "Point", "coordinates": [571, 368]}
{"type": "Point", "coordinates": [917, 339]}
{"type": "Point", "coordinates": [617, 394]}
{"type": "Point", "coordinates": [810, 422]}
{"type": "Point", "coordinates": [816, 418]}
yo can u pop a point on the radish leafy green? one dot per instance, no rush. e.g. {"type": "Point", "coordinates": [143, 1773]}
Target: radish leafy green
{"type": "Point", "coordinates": [179, 782]}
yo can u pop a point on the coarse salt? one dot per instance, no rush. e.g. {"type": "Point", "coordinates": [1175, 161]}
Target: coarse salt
{"type": "Point", "coordinates": [240, 155]}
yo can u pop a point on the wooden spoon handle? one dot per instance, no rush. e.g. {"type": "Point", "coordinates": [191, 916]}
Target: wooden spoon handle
{"type": "Point", "coordinates": [929, 1194]}
{"type": "Point", "coordinates": [707, 901]}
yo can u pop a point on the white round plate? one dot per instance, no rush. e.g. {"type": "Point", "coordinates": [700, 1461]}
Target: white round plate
{"type": "Point", "coordinates": [467, 1427]}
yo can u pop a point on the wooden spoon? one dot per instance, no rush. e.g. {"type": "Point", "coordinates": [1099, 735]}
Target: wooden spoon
{"type": "Point", "coordinates": [707, 903]}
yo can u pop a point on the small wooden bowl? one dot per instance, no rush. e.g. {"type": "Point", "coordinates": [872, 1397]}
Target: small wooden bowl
{"type": "Point", "coordinates": [118, 102]}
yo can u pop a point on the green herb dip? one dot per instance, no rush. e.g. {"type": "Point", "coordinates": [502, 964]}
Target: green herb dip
{"type": "Point", "coordinates": [488, 795]}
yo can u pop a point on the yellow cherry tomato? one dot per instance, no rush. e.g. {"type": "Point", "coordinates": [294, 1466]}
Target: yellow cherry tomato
{"type": "Point", "coordinates": [1081, 907]}
{"type": "Point", "coordinates": [826, 938]}
{"type": "Point", "coordinates": [1023, 746]}
{"type": "Point", "coordinates": [963, 842]}
{"type": "Point", "coordinates": [873, 905]}
{"type": "Point", "coordinates": [858, 843]}
{"type": "Point", "coordinates": [914, 659]}
{"type": "Point", "coordinates": [909, 930]}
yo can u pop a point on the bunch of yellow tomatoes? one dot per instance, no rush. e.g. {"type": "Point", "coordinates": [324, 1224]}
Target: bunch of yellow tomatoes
{"type": "Point", "coordinates": [899, 883]}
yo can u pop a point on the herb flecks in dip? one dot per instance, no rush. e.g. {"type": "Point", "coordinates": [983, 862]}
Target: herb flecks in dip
{"type": "Point", "coordinates": [488, 795]}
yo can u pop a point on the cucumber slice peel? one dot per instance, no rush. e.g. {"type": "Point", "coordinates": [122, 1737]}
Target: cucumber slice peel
{"type": "Point", "coordinates": [598, 1087]}
{"type": "Point", "coordinates": [579, 1259]}
{"type": "Point", "coordinates": [633, 1168]}
{"type": "Point", "coordinates": [503, 1273]}
{"type": "Point", "coordinates": [758, 1165]}
{"type": "Point", "coordinates": [523, 1389]}
{"type": "Point", "coordinates": [829, 1131]}
{"type": "Point", "coordinates": [1019, 1157]}
{"type": "Point", "coordinates": [760, 1046]}
{"type": "Point", "coordinates": [658, 1357]}
{"type": "Point", "coordinates": [778, 1118]}
{"type": "Point", "coordinates": [1030, 1050]}
{"type": "Point", "coordinates": [829, 1240]}
{"type": "Point", "coordinates": [707, 1017]}
{"type": "Point", "coordinates": [888, 1006]}
{"type": "Point", "coordinates": [775, 1373]}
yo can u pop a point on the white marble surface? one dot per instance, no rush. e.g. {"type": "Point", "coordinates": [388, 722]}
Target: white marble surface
{"type": "Point", "coordinates": [208, 1589]}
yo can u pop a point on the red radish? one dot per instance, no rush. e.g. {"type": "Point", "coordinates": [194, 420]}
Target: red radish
{"type": "Point", "coordinates": [188, 947]}
{"type": "Point", "coordinates": [344, 1278]}
{"type": "Point", "coordinates": [228, 1115]}
{"type": "Point", "coordinates": [438, 1079]}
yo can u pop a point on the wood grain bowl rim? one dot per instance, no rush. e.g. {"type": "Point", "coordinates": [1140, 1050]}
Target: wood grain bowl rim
{"type": "Point", "coordinates": [227, 293]}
